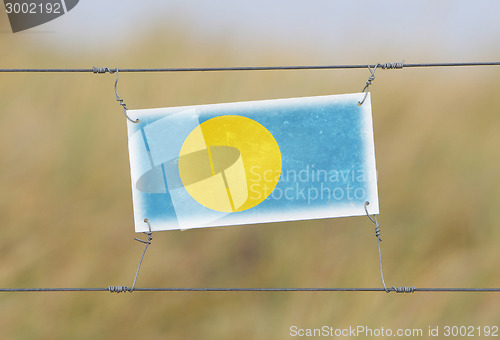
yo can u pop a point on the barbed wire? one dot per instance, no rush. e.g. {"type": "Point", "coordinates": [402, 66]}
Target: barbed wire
{"type": "Point", "coordinates": [398, 65]}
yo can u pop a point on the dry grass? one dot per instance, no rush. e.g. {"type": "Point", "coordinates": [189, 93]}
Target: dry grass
{"type": "Point", "coordinates": [66, 214]}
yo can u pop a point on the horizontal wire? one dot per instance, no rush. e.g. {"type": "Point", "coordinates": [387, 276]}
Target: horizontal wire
{"type": "Point", "coordinates": [423, 290]}
{"type": "Point", "coordinates": [119, 289]}
{"type": "Point", "coordinates": [245, 68]}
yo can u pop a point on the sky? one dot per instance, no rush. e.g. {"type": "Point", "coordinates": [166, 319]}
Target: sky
{"type": "Point", "coordinates": [425, 30]}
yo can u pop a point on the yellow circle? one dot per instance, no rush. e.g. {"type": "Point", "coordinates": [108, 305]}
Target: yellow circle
{"type": "Point", "coordinates": [230, 163]}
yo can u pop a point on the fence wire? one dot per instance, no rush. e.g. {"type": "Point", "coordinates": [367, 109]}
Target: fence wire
{"type": "Point", "coordinates": [123, 289]}
{"type": "Point", "coordinates": [397, 65]}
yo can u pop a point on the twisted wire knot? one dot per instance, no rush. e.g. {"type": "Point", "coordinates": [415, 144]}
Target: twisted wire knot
{"type": "Point", "coordinates": [374, 221]}
{"type": "Point", "coordinates": [118, 289]}
{"type": "Point", "coordinates": [403, 289]}
{"type": "Point", "coordinates": [149, 234]}
{"type": "Point", "coordinates": [378, 232]}
{"type": "Point", "coordinates": [120, 101]}
{"type": "Point", "coordinates": [103, 70]}
{"type": "Point", "coordinates": [369, 81]}
{"type": "Point", "coordinates": [385, 66]}
{"type": "Point", "coordinates": [392, 66]}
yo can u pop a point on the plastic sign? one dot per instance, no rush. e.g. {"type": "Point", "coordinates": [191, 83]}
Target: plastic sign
{"type": "Point", "coordinates": [252, 162]}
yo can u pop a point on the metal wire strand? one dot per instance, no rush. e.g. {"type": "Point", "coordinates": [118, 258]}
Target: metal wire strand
{"type": "Point", "coordinates": [120, 100]}
{"type": "Point", "coordinates": [377, 235]}
{"type": "Point", "coordinates": [119, 289]}
{"type": "Point", "coordinates": [102, 70]}
{"type": "Point", "coordinates": [122, 289]}
{"type": "Point", "coordinates": [372, 68]}
{"type": "Point", "coordinates": [248, 68]}
{"type": "Point", "coordinates": [368, 83]}
{"type": "Point", "coordinates": [147, 243]}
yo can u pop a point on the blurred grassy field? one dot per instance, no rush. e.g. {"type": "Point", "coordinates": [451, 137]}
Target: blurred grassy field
{"type": "Point", "coordinates": [66, 209]}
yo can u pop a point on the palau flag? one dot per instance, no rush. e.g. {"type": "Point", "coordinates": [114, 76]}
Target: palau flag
{"type": "Point", "coordinates": [252, 162]}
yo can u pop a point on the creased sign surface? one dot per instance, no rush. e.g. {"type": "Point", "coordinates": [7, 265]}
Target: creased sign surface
{"type": "Point", "coordinates": [252, 162]}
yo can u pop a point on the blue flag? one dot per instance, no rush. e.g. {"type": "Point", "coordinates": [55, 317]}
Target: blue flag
{"type": "Point", "coordinates": [252, 162]}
